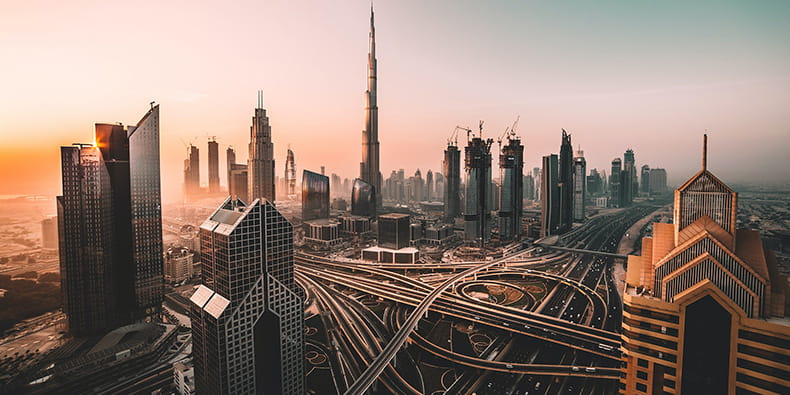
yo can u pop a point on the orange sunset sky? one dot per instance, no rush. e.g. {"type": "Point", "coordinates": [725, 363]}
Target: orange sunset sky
{"type": "Point", "coordinates": [642, 75]}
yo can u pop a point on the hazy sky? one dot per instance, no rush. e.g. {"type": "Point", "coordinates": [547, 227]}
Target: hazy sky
{"type": "Point", "coordinates": [651, 76]}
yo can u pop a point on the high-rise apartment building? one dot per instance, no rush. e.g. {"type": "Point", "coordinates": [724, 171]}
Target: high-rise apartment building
{"type": "Point", "coordinates": [238, 183]}
{"type": "Point", "coordinates": [451, 166]}
{"type": "Point", "coordinates": [511, 196]}
{"type": "Point", "coordinates": [369, 167]}
{"type": "Point", "coordinates": [248, 314]}
{"type": "Point", "coordinates": [594, 183]}
{"type": "Point", "coordinates": [477, 216]}
{"type": "Point", "coordinates": [550, 199]}
{"type": "Point", "coordinates": [615, 192]}
{"type": "Point", "coordinates": [192, 171]}
{"type": "Point", "coordinates": [290, 175]}
{"type": "Point", "coordinates": [628, 179]}
{"type": "Point", "coordinates": [260, 165]}
{"type": "Point", "coordinates": [213, 166]}
{"type": "Point", "coordinates": [700, 301]}
{"type": "Point", "coordinates": [428, 191]}
{"type": "Point", "coordinates": [565, 183]}
{"type": "Point", "coordinates": [110, 227]}
{"type": "Point", "coordinates": [315, 196]}
{"type": "Point", "coordinates": [230, 155]}
{"type": "Point", "coordinates": [536, 172]}
{"type": "Point", "coordinates": [579, 186]}
{"type": "Point", "coordinates": [49, 233]}
{"type": "Point", "coordinates": [644, 186]}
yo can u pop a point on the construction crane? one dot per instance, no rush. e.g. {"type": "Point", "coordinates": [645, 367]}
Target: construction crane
{"type": "Point", "coordinates": [509, 132]}
{"type": "Point", "coordinates": [453, 140]}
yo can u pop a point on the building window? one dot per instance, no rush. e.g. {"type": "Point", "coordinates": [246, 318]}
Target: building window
{"type": "Point", "coordinates": [641, 387]}
{"type": "Point", "coordinates": [641, 374]}
{"type": "Point", "coordinates": [641, 362]}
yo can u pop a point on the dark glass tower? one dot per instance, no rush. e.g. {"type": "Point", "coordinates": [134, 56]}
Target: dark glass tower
{"type": "Point", "coordinates": [565, 181]}
{"type": "Point", "coordinates": [230, 154]}
{"type": "Point", "coordinates": [363, 199]}
{"type": "Point", "coordinates": [315, 196]}
{"type": "Point", "coordinates": [549, 199]}
{"type": "Point", "coordinates": [477, 217]}
{"type": "Point", "coordinates": [192, 172]}
{"type": "Point", "coordinates": [579, 185]}
{"type": "Point", "coordinates": [511, 196]}
{"type": "Point", "coordinates": [110, 227]}
{"type": "Point", "coordinates": [248, 315]}
{"type": "Point", "coordinates": [213, 166]}
{"type": "Point", "coordinates": [394, 231]}
{"type": "Point", "coordinates": [452, 187]}
{"type": "Point", "coordinates": [615, 192]}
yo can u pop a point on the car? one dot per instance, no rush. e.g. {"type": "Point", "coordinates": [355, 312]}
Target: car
{"type": "Point", "coordinates": [575, 368]}
{"type": "Point", "coordinates": [509, 366]}
{"type": "Point", "coordinates": [589, 370]}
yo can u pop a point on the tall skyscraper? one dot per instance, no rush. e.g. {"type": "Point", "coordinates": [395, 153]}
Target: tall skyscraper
{"type": "Point", "coordinates": [452, 188]}
{"type": "Point", "coordinates": [565, 183]}
{"type": "Point", "coordinates": [536, 173]}
{"type": "Point", "coordinates": [550, 199]}
{"type": "Point", "coordinates": [213, 166]}
{"type": "Point", "coordinates": [644, 186]}
{"type": "Point", "coordinates": [529, 187]}
{"type": "Point", "coordinates": [260, 165]}
{"type": "Point", "coordinates": [477, 163]}
{"type": "Point", "coordinates": [369, 167]}
{"type": "Point", "coordinates": [594, 183]}
{"type": "Point", "coordinates": [628, 179]}
{"type": "Point", "coordinates": [290, 175]}
{"type": "Point", "coordinates": [511, 196]}
{"type": "Point", "coordinates": [230, 154]}
{"type": "Point", "coordinates": [248, 314]}
{"type": "Point", "coordinates": [192, 172]}
{"type": "Point", "coordinates": [579, 185]}
{"type": "Point", "coordinates": [428, 191]}
{"type": "Point", "coordinates": [615, 193]}
{"type": "Point", "coordinates": [315, 196]}
{"type": "Point", "coordinates": [697, 301]}
{"type": "Point", "coordinates": [110, 227]}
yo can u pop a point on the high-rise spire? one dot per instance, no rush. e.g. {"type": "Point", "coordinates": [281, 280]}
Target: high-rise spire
{"type": "Point", "coordinates": [369, 167]}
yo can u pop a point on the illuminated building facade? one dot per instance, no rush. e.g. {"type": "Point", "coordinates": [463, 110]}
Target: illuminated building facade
{"type": "Point", "coordinates": [700, 301]}
{"type": "Point", "coordinates": [213, 166]}
{"type": "Point", "coordinates": [247, 315]}
{"type": "Point", "coordinates": [110, 227]}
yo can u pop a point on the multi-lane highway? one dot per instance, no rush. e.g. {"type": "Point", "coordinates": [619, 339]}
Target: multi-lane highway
{"type": "Point", "coordinates": [566, 341]}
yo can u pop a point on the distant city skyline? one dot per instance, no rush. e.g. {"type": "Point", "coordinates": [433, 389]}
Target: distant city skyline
{"type": "Point", "coordinates": [646, 77]}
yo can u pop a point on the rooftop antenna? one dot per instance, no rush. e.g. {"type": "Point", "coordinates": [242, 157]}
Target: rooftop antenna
{"type": "Point", "coordinates": [705, 150]}
{"type": "Point", "coordinates": [260, 99]}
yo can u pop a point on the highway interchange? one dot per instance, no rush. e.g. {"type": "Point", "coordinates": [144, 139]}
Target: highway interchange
{"type": "Point", "coordinates": [566, 342]}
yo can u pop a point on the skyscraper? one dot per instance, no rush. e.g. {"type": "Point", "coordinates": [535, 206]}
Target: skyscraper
{"type": "Point", "coordinates": [369, 167]}
{"type": "Point", "coordinates": [628, 179]}
{"type": "Point", "coordinates": [428, 191]}
{"type": "Point", "coordinates": [644, 186]}
{"type": "Point", "coordinates": [315, 196]}
{"type": "Point", "coordinates": [579, 185]}
{"type": "Point", "coordinates": [290, 175]}
{"type": "Point", "coordinates": [697, 300]}
{"type": "Point", "coordinates": [110, 227]}
{"type": "Point", "coordinates": [213, 166]}
{"type": "Point", "coordinates": [536, 172]}
{"type": "Point", "coordinates": [260, 165]}
{"type": "Point", "coordinates": [594, 183]}
{"type": "Point", "coordinates": [550, 199]}
{"type": "Point", "coordinates": [615, 193]}
{"type": "Point", "coordinates": [511, 196]}
{"type": "Point", "coordinates": [477, 163]}
{"type": "Point", "coordinates": [452, 189]}
{"type": "Point", "coordinates": [248, 314]}
{"type": "Point", "coordinates": [565, 183]}
{"type": "Point", "coordinates": [230, 154]}
{"type": "Point", "coordinates": [192, 172]}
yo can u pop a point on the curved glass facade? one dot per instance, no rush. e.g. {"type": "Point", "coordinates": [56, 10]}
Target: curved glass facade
{"type": "Point", "coordinates": [363, 199]}
{"type": "Point", "coordinates": [315, 196]}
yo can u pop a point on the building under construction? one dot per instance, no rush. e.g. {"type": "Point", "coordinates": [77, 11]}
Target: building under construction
{"type": "Point", "coordinates": [477, 161]}
{"type": "Point", "coordinates": [511, 167]}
